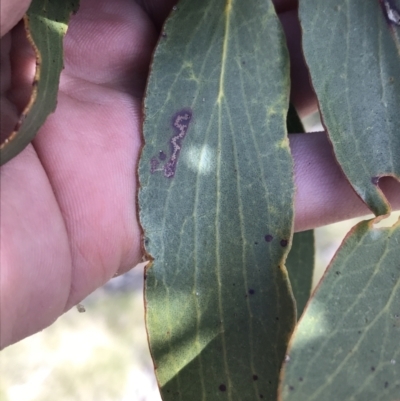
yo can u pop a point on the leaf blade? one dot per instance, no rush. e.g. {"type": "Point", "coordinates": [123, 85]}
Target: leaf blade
{"type": "Point", "coordinates": [46, 24]}
{"type": "Point", "coordinates": [300, 266]}
{"type": "Point", "coordinates": [346, 344]}
{"type": "Point", "coordinates": [354, 60]}
{"type": "Point", "coordinates": [215, 269]}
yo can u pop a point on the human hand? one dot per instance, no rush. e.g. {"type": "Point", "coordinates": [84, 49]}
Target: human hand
{"type": "Point", "coordinates": [68, 201]}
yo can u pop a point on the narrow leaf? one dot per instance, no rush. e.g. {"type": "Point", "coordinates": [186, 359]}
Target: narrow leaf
{"type": "Point", "coordinates": [301, 258]}
{"type": "Point", "coordinates": [46, 24]}
{"type": "Point", "coordinates": [216, 202]}
{"type": "Point", "coordinates": [346, 346]}
{"type": "Point", "coordinates": [353, 52]}
{"type": "Point", "coordinates": [300, 266]}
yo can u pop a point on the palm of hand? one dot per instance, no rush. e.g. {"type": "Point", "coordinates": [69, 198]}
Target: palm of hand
{"type": "Point", "coordinates": [72, 190]}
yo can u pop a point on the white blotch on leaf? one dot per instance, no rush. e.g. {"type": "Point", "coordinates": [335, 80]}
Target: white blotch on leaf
{"type": "Point", "coordinates": [200, 159]}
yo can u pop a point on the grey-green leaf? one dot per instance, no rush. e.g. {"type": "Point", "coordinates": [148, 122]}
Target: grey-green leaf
{"type": "Point", "coordinates": [216, 202]}
{"type": "Point", "coordinates": [346, 346]}
{"type": "Point", "coordinates": [46, 24]}
{"type": "Point", "coordinates": [353, 52]}
{"type": "Point", "coordinates": [300, 261]}
{"type": "Point", "coordinates": [300, 266]}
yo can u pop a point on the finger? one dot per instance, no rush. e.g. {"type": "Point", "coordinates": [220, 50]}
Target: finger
{"type": "Point", "coordinates": [302, 94]}
{"type": "Point", "coordinates": [23, 67]}
{"type": "Point", "coordinates": [11, 11]}
{"type": "Point", "coordinates": [90, 146]}
{"type": "Point", "coordinates": [35, 256]}
{"type": "Point", "coordinates": [109, 44]}
{"type": "Point", "coordinates": [9, 115]}
{"type": "Point", "coordinates": [323, 194]}
{"type": "Point", "coordinates": [90, 152]}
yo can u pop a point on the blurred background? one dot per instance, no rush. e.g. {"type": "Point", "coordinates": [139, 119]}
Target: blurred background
{"type": "Point", "coordinates": [101, 354]}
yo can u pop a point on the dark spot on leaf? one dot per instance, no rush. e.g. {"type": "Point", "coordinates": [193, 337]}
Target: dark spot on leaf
{"type": "Point", "coordinates": [291, 388]}
{"type": "Point", "coordinates": [222, 387]}
{"type": "Point", "coordinates": [284, 242]}
{"type": "Point", "coordinates": [162, 155]}
{"type": "Point", "coordinates": [386, 384]}
{"type": "Point", "coordinates": [269, 238]}
{"type": "Point", "coordinates": [359, 331]}
{"type": "Point", "coordinates": [372, 369]}
{"type": "Point", "coordinates": [255, 377]}
{"type": "Point", "coordinates": [261, 396]}
{"type": "Point", "coordinates": [277, 319]}
{"type": "Point", "coordinates": [251, 291]}
{"type": "Point", "coordinates": [337, 273]}
{"type": "Point", "coordinates": [375, 180]}
{"type": "Point", "coordinates": [164, 35]}
{"type": "Point", "coordinates": [300, 379]}
{"type": "Point", "coordinates": [256, 243]}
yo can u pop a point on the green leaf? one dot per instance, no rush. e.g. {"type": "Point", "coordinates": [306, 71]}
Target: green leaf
{"type": "Point", "coordinates": [300, 261]}
{"type": "Point", "coordinates": [346, 346]}
{"type": "Point", "coordinates": [46, 24]}
{"type": "Point", "coordinates": [300, 266]}
{"type": "Point", "coordinates": [216, 202]}
{"type": "Point", "coordinates": [353, 51]}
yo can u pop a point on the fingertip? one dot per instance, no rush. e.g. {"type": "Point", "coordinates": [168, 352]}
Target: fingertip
{"type": "Point", "coordinates": [11, 12]}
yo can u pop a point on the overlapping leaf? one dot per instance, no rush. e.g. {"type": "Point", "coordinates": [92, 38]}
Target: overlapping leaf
{"type": "Point", "coordinates": [300, 266]}
{"type": "Point", "coordinates": [346, 346]}
{"type": "Point", "coordinates": [300, 261]}
{"type": "Point", "coordinates": [46, 24]}
{"type": "Point", "coordinates": [216, 202]}
{"type": "Point", "coordinates": [353, 52]}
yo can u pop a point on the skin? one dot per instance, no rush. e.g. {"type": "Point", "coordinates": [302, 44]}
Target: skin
{"type": "Point", "coordinates": [67, 202]}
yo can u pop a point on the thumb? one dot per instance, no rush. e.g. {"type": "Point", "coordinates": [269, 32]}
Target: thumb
{"type": "Point", "coordinates": [11, 12]}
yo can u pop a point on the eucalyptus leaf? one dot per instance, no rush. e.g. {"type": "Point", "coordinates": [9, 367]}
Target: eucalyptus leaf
{"type": "Point", "coordinates": [346, 345]}
{"type": "Point", "coordinates": [300, 265]}
{"type": "Point", "coordinates": [300, 261]}
{"type": "Point", "coordinates": [46, 23]}
{"type": "Point", "coordinates": [353, 52]}
{"type": "Point", "coordinates": [216, 202]}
